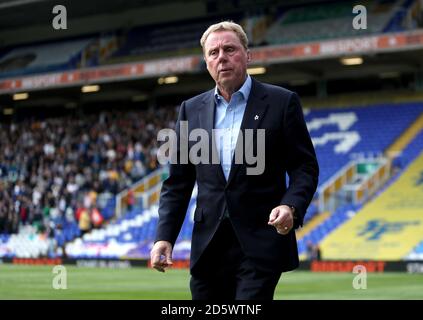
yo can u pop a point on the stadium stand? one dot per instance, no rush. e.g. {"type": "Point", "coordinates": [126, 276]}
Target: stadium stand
{"type": "Point", "coordinates": [320, 230]}
{"type": "Point", "coordinates": [42, 58]}
{"type": "Point", "coordinates": [337, 135]}
{"type": "Point", "coordinates": [386, 228]}
{"type": "Point", "coordinates": [146, 42]}
{"type": "Point", "coordinates": [365, 123]}
{"type": "Point", "coordinates": [333, 20]}
{"type": "Point", "coordinates": [52, 170]}
{"type": "Point", "coordinates": [58, 56]}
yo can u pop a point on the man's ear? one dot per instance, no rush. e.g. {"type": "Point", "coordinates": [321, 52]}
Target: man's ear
{"type": "Point", "coordinates": [248, 56]}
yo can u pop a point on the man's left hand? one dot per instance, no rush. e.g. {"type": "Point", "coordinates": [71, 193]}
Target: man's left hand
{"type": "Point", "coordinates": [282, 218]}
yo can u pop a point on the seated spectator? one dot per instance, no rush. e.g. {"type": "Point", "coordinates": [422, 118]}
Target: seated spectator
{"type": "Point", "coordinates": [84, 221]}
{"type": "Point", "coordinates": [96, 218]}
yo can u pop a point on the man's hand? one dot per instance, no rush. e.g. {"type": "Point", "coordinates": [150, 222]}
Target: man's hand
{"type": "Point", "coordinates": [161, 255]}
{"type": "Point", "coordinates": [282, 218]}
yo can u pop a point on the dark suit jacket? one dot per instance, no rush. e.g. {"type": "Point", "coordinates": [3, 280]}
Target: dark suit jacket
{"type": "Point", "coordinates": [249, 199]}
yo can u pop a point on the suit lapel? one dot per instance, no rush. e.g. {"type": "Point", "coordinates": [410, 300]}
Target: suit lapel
{"type": "Point", "coordinates": [207, 114]}
{"type": "Point", "coordinates": [254, 112]}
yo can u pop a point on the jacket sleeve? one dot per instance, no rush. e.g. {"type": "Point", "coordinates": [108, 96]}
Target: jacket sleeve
{"type": "Point", "coordinates": [302, 166]}
{"type": "Point", "coordinates": [176, 189]}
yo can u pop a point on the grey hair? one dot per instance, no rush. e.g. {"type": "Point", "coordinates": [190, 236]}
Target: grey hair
{"type": "Point", "coordinates": [226, 26]}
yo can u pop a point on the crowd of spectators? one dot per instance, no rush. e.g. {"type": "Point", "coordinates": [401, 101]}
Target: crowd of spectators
{"type": "Point", "coordinates": [57, 170]}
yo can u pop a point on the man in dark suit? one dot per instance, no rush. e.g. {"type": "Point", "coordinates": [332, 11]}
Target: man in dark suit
{"type": "Point", "coordinates": [243, 237]}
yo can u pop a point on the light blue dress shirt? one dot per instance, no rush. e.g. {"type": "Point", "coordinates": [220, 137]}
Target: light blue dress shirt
{"type": "Point", "coordinates": [228, 120]}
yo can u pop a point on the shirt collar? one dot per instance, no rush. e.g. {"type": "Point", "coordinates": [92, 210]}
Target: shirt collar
{"type": "Point", "coordinates": [244, 90]}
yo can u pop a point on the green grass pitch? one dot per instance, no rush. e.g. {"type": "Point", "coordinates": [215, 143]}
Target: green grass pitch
{"type": "Point", "coordinates": [36, 282]}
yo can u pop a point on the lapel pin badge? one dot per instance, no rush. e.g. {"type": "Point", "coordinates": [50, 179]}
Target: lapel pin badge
{"type": "Point", "coordinates": [256, 117]}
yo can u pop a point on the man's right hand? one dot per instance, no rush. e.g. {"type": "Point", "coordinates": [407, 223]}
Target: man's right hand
{"type": "Point", "coordinates": [161, 255]}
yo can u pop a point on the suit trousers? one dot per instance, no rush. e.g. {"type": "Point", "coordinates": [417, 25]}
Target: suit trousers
{"type": "Point", "coordinates": [224, 272]}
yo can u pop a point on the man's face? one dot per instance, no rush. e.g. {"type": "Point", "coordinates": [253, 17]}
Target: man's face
{"type": "Point", "coordinates": [226, 59]}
